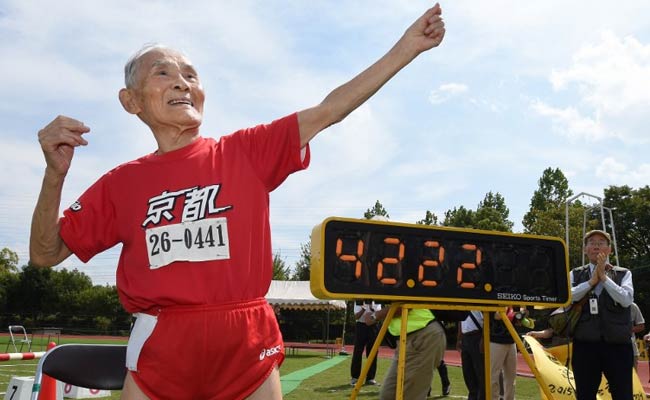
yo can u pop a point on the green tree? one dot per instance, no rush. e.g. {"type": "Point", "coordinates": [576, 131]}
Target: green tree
{"type": "Point", "coordinates": [33, 293]}
{"type": "Point", "coordinates": [551, 194]}
{"type": "Point", "coordinates": [102, 324]}
{"type": "Point", "coordinates": [459, 217]}
{"type": "Point", "coordinates": [68, 285]}
{"type": "Point", "coordinates": [280, 269]}
{"type": "Point", "coordinates": [548, 214]}
{"type": "Point", "coordinates": [8, 260]}
{"type": "Point", "coordinates": [303, 265]}
{"type": "Point", "coordinates": [552, 222]}
{"type": "Point", "coordinates": [8, 277]}
{"type": "Point", "coordinates": [377, 209]}
{"type": "Point", "coordinates": [631, 212]}
{"type": "Point", "coordinates": [491, 214]}
{"type": "Point", "coordinates": [429, 219]}
{"type": "Point", "coordinates": [66, 298]}
{"type": "Point", "coordinates": [103, 301]}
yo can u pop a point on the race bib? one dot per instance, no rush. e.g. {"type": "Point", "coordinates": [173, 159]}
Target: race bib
{"type": "Point", "coordinates": [202, 240]}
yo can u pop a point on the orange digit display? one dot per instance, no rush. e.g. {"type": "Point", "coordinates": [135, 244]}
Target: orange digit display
{"type": "Point", "coordinates": [468, 265]}
{"type": "Point", "coordinates": [392, 261]}
{"type": "Point", "coordinates": [355, 258]}
{"type": "Point", "coordinates": [361, 259]}
{"type": "Point", "coordinates": [429, 263]}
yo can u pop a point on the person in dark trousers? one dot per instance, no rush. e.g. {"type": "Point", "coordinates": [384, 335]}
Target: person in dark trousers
{"type": "Point", "coordinates": [444, 379]}
{"type": "Point", "coordinates": [469, 344]}
{"type": "Point", "coordinates": [365, 333]}
{"type": "Point", "coordinates": [602, 336]}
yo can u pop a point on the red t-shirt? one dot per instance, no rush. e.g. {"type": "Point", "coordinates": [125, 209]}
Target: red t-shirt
{"type": "Point", "coordinates": [194, 223]}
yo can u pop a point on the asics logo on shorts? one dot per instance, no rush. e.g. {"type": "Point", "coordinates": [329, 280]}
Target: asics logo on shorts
{"type": "Point", "coordinates": [269, 352]}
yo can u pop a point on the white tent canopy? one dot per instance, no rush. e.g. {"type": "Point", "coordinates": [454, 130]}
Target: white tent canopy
{"type": "Point", "coordinates": [297, 295]}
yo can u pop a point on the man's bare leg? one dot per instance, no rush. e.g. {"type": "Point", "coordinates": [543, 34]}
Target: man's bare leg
{"type": "Point", "coordinates": [271, 389]}
{"type": "Point", "coordinates": [131, 391]}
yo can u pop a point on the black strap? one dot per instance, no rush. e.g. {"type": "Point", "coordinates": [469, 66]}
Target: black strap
{"type": "Point", "coordinates": [480, 328]}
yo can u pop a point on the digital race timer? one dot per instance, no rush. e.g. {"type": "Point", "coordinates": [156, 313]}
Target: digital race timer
{"type": "Point", "coordinates": [362, 259]}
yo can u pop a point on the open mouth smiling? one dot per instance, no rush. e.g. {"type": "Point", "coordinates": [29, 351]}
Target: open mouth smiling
{"type": "Point", "coordinates": [174, 102]}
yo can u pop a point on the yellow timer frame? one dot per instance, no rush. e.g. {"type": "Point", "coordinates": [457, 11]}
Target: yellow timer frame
{"type": "Point", "coordinates": [394, 261]}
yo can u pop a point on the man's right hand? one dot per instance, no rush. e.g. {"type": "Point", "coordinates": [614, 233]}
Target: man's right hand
{"type": "Point", "coordinates": [58, 140]}
{"type": "Point", "coordinates": [426, 32]}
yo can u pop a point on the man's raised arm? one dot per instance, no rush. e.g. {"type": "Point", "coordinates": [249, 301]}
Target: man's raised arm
{"type": "Point", "coordinates": [58, 140]}
{"type": "Point", "coordinates": [426, 33]}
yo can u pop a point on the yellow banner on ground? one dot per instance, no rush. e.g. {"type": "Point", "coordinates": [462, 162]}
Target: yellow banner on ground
{"type": "Point", "coordinates": [559, 379]}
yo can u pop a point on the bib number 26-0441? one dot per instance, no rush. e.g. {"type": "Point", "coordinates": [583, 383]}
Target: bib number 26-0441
{"type": "Point", "coordinates": [202, 240]}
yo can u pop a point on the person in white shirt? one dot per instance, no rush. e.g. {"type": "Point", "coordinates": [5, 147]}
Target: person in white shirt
{"type": "Point", "coordinates": [365, 333]}
{"type": "Point", "coordinates": [638, 325]}
{"type": "Point", "coordinates": [469, 343]}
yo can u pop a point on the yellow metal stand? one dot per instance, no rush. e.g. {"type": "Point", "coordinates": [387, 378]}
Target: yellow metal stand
{"type": "Point", "coordinates": [401, 361]}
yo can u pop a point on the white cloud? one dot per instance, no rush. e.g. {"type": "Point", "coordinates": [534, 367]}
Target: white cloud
{"type": "Point", "coordinates": [446, 91]}
{"type": "Point", "coordinates": [532, 36]}
{"type": "Point", "coordinates": [612, 75]}
{"type": "Point", "coordinates": [570, 122]}
{"type": "Point", "coordinates": [618, 173]}
{"type": "Point", "coordinates": [612, 82]}
{"type": "Point", "coordinates": [495, 106]}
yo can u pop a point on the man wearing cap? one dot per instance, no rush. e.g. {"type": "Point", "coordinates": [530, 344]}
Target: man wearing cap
{"type": "Point", "coordinates": [602, 337]}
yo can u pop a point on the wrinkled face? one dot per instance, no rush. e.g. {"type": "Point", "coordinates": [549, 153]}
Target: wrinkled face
{"type": "Point", "coordinates": [595, 245]}
{"type": "Point", "coordinates": [168, 92]}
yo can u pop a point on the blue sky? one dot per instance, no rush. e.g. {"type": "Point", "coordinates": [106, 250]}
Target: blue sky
{"type": "Point", "coordinates": [516, 87]}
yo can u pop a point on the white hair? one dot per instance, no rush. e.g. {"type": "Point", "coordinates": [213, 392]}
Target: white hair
{"type": "Point", "coordinates": [132, 65]}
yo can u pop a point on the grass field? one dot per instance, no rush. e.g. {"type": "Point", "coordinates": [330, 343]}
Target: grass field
{"type": "Point", "coordinates": [332, 383]}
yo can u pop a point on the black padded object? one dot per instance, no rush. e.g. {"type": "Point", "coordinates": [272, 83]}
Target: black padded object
{"type": "Point", "coordinates": [88, 366]}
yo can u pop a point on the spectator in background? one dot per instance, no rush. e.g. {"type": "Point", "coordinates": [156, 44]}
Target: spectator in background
{"type": "Point", "coordinates": [365, 333]}
{"type": "Point", "coordinates": [638, 325]}
{"type": "Point", "coordinates": [444, 379]}
{"type": "Point", "coordinates": [503, 359]}
{"type": "Point", "coordinates": [646, 343]}
{"type": "Point", "coordinates": [549, 333]}
{"type": "Point", "coordinates": [543, 334]}
{"type": "Point", "coordinates": [425, 347]}
{"type": "Point", "coordinates": [470, 345]}
{"type": "Point", "coordinates": [601, 344]}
